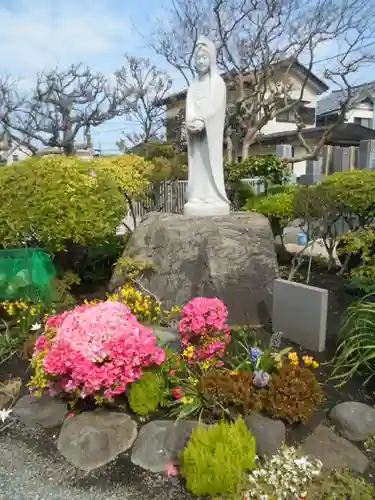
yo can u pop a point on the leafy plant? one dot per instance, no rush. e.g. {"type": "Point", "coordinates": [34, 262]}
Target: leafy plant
{"type": "Point", "coordinates": [145, 395]}
{"type": "Point", "coordinates": [215, 459]}
{"type": "Point", "coordinates": [292, 394]}
{"type": "Point", "coordinates": [63, 203]}
{"type": "Point", "coordinates": [361, 285]}
{"type": "Point", "coordinates": [224, 389]}
{"type": "Point", "coordinates": [355, 352]}
{"type": "Point", "coordinates": [277, 208]}
{"type": "Point", "coordinates": [284, 475]}
{"type": "Point", "coordinates": [340, 485]}
{"type": "Point", "coordinates": [353, 195]}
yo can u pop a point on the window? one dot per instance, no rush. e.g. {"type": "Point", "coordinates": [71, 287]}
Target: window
{"type": "Point", "coordinates": [365, 122]}
{"type": "Point", "coordinates": [15, 157]}
{"type": "Point", "coordinates": [307, 115]}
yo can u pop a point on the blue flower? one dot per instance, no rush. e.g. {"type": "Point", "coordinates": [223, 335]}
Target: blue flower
{"type": "Point", "coordinates": [261, 379]}
{"type": "Point", "coordinates": [254, 354]}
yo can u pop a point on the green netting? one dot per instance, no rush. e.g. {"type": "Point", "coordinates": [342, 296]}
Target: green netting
{"type": "Point", "coordinates": [26, 273]}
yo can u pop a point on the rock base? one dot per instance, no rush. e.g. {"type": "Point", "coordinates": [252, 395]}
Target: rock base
{"type": "Point", "coordinates": [231, 257]}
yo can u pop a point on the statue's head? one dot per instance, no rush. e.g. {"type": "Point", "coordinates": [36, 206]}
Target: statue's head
{"type": "Point", "coordinates": [205, 56]}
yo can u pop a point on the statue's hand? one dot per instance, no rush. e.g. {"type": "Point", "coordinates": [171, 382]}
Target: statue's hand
{"type": "Point", "coordinates": [196, 125]}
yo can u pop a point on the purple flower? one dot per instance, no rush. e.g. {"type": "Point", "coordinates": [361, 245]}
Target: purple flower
{"type": "Point", "coordinates": [261, 379]}
{"type": "Point", "coordinates": [254, 354]}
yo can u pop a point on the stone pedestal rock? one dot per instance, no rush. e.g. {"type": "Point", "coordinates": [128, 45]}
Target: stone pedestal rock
{"type": "Point", "coordinates": [231, 257]}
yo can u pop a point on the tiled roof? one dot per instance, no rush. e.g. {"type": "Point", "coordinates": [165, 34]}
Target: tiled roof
{"type": "Point", "coordinates": [332, 102]}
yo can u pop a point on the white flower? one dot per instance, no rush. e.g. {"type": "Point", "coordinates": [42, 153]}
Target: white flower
{"type": "Point", "coordinates": [35, 327]}
{"type": "Point", "coordinates": [4, 414]}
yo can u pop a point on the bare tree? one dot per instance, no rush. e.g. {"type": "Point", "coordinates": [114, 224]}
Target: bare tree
{"type": "Point", "coordinates": [61, 105]}
{"type": "Point", "coordinates": [260, 43]}
{"type": "Point", "coordinates": [153, 85]}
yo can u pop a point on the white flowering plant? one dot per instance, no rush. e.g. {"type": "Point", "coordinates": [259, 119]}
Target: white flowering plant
{"type": "Point", "coordinates": [286, 475]}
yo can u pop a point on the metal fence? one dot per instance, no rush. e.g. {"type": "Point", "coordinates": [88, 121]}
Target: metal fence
{"type": "Point", "coordinates": [170, 196]}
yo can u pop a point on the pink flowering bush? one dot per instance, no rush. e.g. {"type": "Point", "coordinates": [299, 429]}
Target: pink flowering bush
{"type": "Point", "coordinates": [203, 328]}
{"type": "Point", "coordinates": [93, 350]}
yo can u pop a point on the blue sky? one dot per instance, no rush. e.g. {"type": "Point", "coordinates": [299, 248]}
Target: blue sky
{"type": "Point", "coordinates": [41, 34]}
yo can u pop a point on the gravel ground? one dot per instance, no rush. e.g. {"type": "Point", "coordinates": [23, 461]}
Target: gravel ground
{"type": "Point", "coordinates": [32, 469]}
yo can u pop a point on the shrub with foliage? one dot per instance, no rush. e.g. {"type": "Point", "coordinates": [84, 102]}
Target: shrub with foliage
{"type": "Point", "coordinates": [293, 394]}
{"type": "Point", "coordinates": [284, 475]}
{"type": "Point", "coordinates": [340, 485]}
{"type": "Point", "coordinates": [62, 200]}
{"type": "Point", "coordinates": [215, 459]}
{"type": "Point", "coordinates": [353, 195]}
{"type": "Point", "coordinates": [93, 350]}
{"type": "Point", "coordinates": [146, 394]}
{"type": "Point", "coordinates": [129, 172]}
{"type": "Point", "coordinates": [278, 208]}
{"type": "Point", "coordinates": [355, 352]}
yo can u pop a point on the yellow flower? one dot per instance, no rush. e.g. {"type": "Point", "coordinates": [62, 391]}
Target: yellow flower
{"type": "Point", "coordinates": [234, 372]}
{"type": "Point", "coordinates": [188, 352]}
{"type": "Point", "coordinates": [315, 364]}
{"type": "Point", "coordinates": [308, 360]}
{"type": "Point", "coordinates": [192, 381]}
{"type": "Point", "coordinates": [186, 400]}
{"type": "Point", "coordinates": [293, 357]}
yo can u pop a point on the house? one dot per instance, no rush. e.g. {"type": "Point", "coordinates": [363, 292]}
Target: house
{"type": "Point", "coordinates": [345, 135]}
{"type": "Point", "coordinates": [298, 76]}
{"type": "Point", "coordinates": [360, 108]}
{"type": "Point", "coordinates": [11, 151]}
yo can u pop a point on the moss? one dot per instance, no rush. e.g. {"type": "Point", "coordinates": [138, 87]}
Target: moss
{"type": "Point", "coordinates": [216, 458]}
{"type": "Point", "coordinates": [145, 395]}
{"type": "Point", "coordinates": [340, 485]}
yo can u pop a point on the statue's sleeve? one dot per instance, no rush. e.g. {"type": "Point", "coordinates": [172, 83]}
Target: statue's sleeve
{"type": "Point", "coordinates": [190, 114]}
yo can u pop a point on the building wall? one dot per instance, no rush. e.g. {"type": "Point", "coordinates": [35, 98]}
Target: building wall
{"type": "Point", "coordinates": [363, 110]}
{"type": "Point", "coordinates": [309, 96]}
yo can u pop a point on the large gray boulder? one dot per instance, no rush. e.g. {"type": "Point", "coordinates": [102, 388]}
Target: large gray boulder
{"type": "Point", "coordinates": [231, 257]}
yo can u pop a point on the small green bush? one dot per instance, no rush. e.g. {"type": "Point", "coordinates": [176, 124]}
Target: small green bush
{"type": "Point", "coordinates": [52, 200]}
{"type": "Point", "coordinates": [145, 395]}
{"type": "Point", "coordinates": [216, 458]}
{"type": "Point", "coordinates": [340, 485]}
{"type": "Point", "coordinates": [278, 208]}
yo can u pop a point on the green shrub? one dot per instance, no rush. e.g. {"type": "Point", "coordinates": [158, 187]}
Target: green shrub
{"type": "Point", "coordinates": [353, 194]}
{"type": "Point", "coordinates": [145, 395]}
{"type": "Point", "coordinates": [276, 207]}
{"type": "Point", "coordinates": [355, 352]}
{"type": "Point", "coordinates": [55, 199]}
{"type": "Point", "coordinates": [215, 459]}
{"type": "Point", "coordinates": [340, 485]}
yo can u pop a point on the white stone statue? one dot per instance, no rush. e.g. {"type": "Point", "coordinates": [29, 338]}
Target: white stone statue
{"type": "Point", "coordinates": [205, 118]}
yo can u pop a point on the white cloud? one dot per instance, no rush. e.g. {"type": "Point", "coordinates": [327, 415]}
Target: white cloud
{"type": "Point", "coordinates": [40, 34]}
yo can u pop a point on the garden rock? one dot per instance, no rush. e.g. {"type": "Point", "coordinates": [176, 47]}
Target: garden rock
{"type": "Point", "coordinates": [149, 448]}
{"type": "Point", "coordinates": [269, 434]}
{"type": "Point", "coordinates": [178, 435]}
{"type": "Point", "coordinates": [334, 451]}
{"type": "Point", "coordinates": [356, 421]}
{"type": "Point", "coordinates": [167, 337]}
{"type": "Point", "coordinates": [92, 439]}
{"type": "Point", "coordinates": [43, 411]}
{"type": "Point", "coordinates": [231, 257]}
{"type": "Point", "coordinates": [9, 391]}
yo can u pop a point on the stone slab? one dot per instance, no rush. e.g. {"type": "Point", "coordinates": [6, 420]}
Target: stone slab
{"type": "Point", "coordinates": [300, 313]}
{"type": "Point", "coordinates": [231, 257]}
{"type": "Point", "coordinates": [334, 451]}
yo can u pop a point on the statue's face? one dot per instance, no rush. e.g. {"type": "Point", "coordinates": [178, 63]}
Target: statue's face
{"type": "Point", "coordinates": [202, 61]}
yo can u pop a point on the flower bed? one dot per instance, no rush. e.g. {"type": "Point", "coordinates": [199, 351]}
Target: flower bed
{"type": "Point", "coordinates": [100, 351]}
{"type": "Point", "coordinates": [93, 350]}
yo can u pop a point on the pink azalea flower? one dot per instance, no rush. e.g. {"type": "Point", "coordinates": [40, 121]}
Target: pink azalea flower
{"type": "Point", "coordinates": [171, 470]}
{"type": "Point", "coordinates": [98, 348]}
